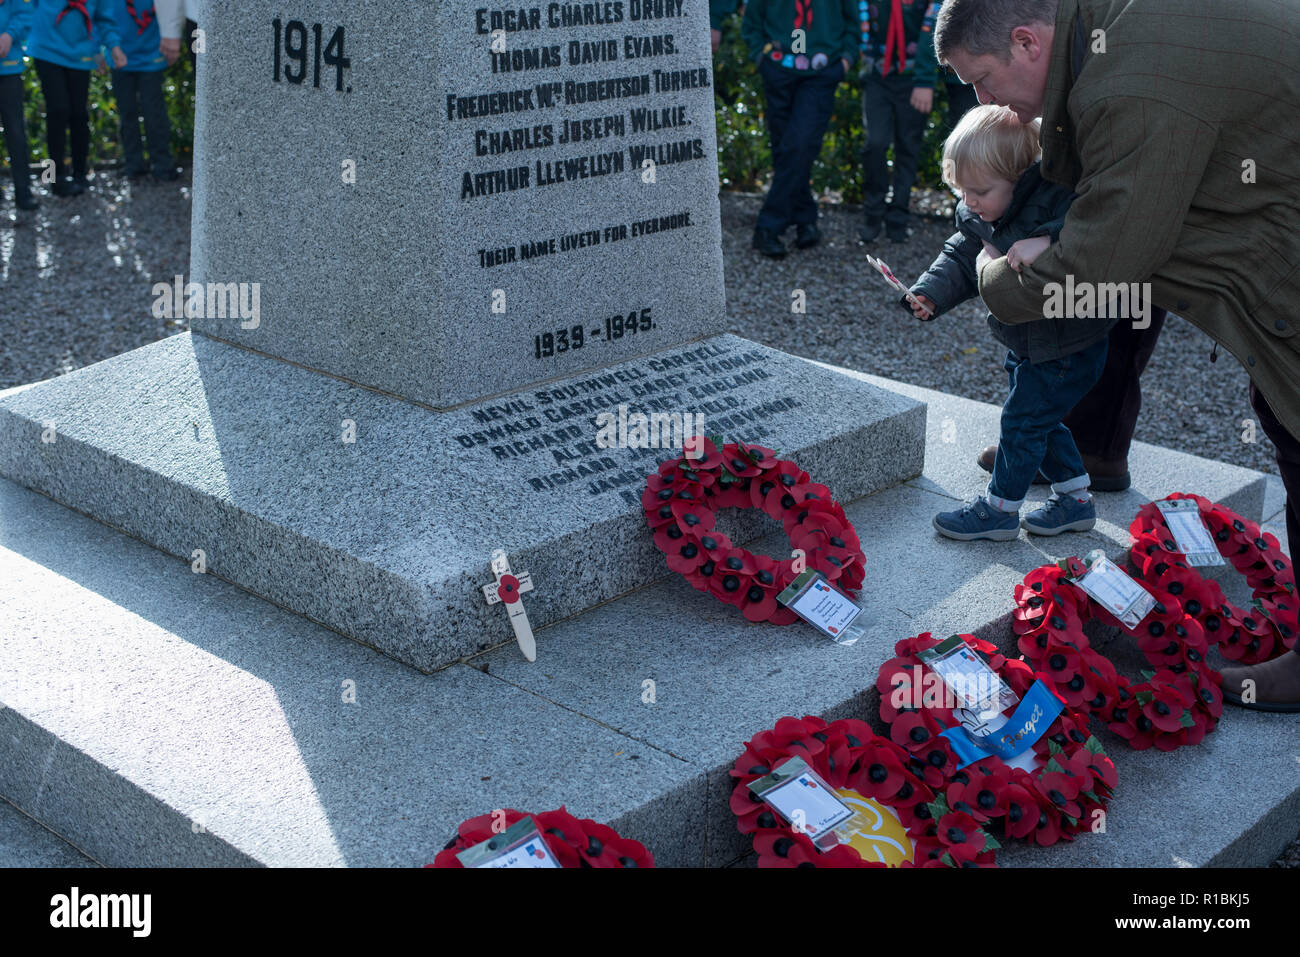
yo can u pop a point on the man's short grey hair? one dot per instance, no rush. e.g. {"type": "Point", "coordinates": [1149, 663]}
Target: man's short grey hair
{"type": "Point", "coordinates": [983, 27]}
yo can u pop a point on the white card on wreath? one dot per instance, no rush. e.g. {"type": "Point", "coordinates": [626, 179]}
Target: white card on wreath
{"type": "Point", "coordinates": [1183, 516]}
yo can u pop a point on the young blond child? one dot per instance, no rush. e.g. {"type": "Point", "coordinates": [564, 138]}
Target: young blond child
{"type": "Point", "coordinates": [991, 161]}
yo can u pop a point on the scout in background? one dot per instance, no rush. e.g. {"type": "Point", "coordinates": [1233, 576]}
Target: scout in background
{"type": "Point", "coordinates": [65, 43]}
{"type": "Point", "coordinates": [15, 24]}
{"type": "Point", "coordinates": [138, 89]}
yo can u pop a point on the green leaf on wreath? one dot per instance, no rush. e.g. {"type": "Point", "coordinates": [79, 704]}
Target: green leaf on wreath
{"type": "Point", "coordinates": [947, 859]}
{"type": "Point", "coordinates": [1148, 674]}
{"type": "Point", "coordinates": [938, 807]}
{"type": "Point", "coordinates": [1054, 767]}
{"type": "Point", "coordinates": [1145, 697]}
{"type": "Point", "coordinates": [1091, 796]}
{"type": "Point", "coordinates": [1054, 748]}
{"type": "Point", "coordinates": [1187, 721]}
{"type": "Point", "coordinates": [1073, 820]}
{"type": "Point", "coordinates": [1093, 746]}
{"type": "Point", "coordinates": [990, 842]}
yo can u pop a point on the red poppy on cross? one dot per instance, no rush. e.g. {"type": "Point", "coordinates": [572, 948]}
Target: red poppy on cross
{"type": "Point", "coordinates": [508, 588]}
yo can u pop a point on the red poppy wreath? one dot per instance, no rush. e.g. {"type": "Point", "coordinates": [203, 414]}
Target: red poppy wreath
{"type": "Point", "coordinates": [1246, 636]}
{"type": "Point", "coordinates": [899, 820]}
{"type": "Point", "coordinates": [1178, 702]}
{"type": "Point", "coordinates": [572, 841]}
{"type": "Point", "coordinates": [681, 502]}
{"type": "Point", "coordinates": [1072, 779]}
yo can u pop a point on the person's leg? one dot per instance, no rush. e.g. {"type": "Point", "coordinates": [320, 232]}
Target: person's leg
{"type": "Point", "coordinates": [1103, 420]}
{"type": "Point", "coordinates": [54, 89]}
{"type": "Point", "coordinates": [961, 97]}
{"type": "Point", "coordinates": [11, 115]}
{"type": "Point", "coordinates": [878, 130]}
{"type": "Point", "coordinates": [190, 29]}
{"type": "Point", "coordinates": [1287, 452]}
{"type": "Point", "coordinates": [1032, 410]}
{"type": "Point", "coordinates": [79, 121]}
{"type": "Point", "coordinates": [779, 89]}
{"type": "Point", "coordinates": [1275, 685]}
{"type": "Point", "coordinates": [157, 126]}
{"type": "Point", "coordinates": [814, 102]}
{"type": "Point", "coordinates": [986, 517]}
{"type": "Point", "coordinates": [126, 91]}
{"type": "Point", "coordinates": [909, 130]}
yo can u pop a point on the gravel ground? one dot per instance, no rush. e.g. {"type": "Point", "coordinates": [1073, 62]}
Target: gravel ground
{"type": "Point", "coordinates": [76, 275]}
{"type": "Point", "coordinates": [76, 280]}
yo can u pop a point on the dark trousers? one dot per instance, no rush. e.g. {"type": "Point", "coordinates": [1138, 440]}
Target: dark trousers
{"type": "Point", "coordinates": [799, 105]}
{"type": "Point", "coordinates": [961, 97]}
{"type": "Point", "coordinates": [11, 117]}
{"type": "Point", "coordinates": [140, 96]}
{"type": "Point", "coordinates": [889, 117]}
{"type": "Point", "coordinates": [190, 28]}
{"type": "Point", "coordinates": [1032, 436]}
{"type": "Point", "coordinates": [1288, 462]}
{"type": "Point", "coordinates": [66, 92]}
{"type": "Point", "coordinates": [1103, 421]}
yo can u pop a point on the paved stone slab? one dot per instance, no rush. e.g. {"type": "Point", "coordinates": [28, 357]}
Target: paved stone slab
{"type": "Point", "coordinates": [1231, 801]}
{"type": "Point", "coordinates": [706, 660]}
{"type": "Point", "coordinates": [192, 444]}
{"type": "Point", "coordinates": [961, 428]}
{"type": "Point", "coordinates": [717, 680]}
{"type": "Point", "coordinates": [444, 221]}
{"type": "Point", "coordinates": [25, 843]}
{"type": "Point", "coordinates": [161, 718]}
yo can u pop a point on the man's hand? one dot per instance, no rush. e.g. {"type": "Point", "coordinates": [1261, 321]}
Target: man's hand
{"type": "Point", "coordinates": [987, 255]}
{"type": "Point", "coordinates": [6, 43]}
{"type": "Point", "coordinates": [922, 99]}
{"type": "Point", "coordinates": [922, 313]}
{"type": "Point", "coordinates": [1024, 252]}
{"type": "Point", "coordinates": [101, 67]}
{"type": "Point", "coordinates": [715, 38]}
{"type": "Point", "coordinates": [170, 48]}
{"type": "Point", "coordinates": [119, 58]}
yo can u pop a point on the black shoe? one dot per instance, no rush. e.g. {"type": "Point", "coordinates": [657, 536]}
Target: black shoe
{"type": "Point", "coordinates": [67, 187]}
{"type": "Point", "coordinates": [768, 242]}
{"type": "Point", "coordinates": [83, 183]}
{"type": "Point", "coordinates": [870, 230]}
{"type": "Point", "coordinates": [896, 234]}
{"type": "Point", "coordinates": [986, 460]}
{"type": "Point", "coordinates": [807, 235]}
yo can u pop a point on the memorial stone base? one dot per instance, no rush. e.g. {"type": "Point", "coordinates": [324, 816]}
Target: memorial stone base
{"type": "Point", "coordinates": [377, 516]}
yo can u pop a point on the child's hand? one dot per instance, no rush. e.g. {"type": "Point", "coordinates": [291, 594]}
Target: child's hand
{"type": "Point", "coordinates": [918, 311]}
{"type": "Point", "coordinates": [119, 58]}
{"type": "Point", "coordinates": [170, 49]}
{"type": "Point", "coordinates": [1024, 252]}
{"type": "Point", "coordinates": [6, 43]}
{"type": "Point", "coordinates": [100, 66]}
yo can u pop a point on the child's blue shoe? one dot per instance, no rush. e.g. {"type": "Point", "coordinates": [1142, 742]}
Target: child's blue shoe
{"type": "Point", "coordinates": [978, 519]}
{"type": "Point", "coordinates": [1061, 513]}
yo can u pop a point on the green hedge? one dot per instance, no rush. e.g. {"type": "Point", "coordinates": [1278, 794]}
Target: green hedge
{"type": "Point", "coordinates": [744, 157]}
{"type": "Point", "coordinates": [105, 140]}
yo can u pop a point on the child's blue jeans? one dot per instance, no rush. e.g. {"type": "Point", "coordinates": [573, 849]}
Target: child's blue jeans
{"type": "Point", "coordinates": [1033, 437]}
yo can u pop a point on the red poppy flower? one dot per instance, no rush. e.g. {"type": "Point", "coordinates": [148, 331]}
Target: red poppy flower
{"type": "Point", "coordinates": [1021, 810]}
{"type": "Point", "coordinates": [958, 830]}
{"type": "Point", "coordinates": [699, 454]}
{"type": "Point", "coordinates": [1165, 709]}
